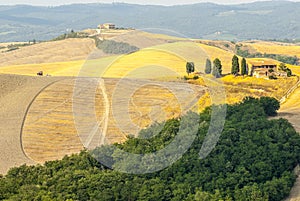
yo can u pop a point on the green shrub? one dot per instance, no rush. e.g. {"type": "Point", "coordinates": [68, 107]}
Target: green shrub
{"type": "Point", "coordinates": [113, 47]}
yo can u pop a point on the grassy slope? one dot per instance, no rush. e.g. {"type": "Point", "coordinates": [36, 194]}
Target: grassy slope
{"type": "Point", "coordinates": [276, 48]}
{"type": "Point", "coordinates": [49, 52]}
{"type": "Point", "coordinates": [170, 55]}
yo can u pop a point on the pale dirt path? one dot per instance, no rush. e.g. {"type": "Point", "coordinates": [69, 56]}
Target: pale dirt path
{"type": "Point", "coordinates": [16, 93]}
{"type": "Point", "coordinates": [291, 110]}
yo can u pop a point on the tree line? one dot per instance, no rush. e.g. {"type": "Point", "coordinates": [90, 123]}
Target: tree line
{"type": "Point", "coordinates": [215, 68]}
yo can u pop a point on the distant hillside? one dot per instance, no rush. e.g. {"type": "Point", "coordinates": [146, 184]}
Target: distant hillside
{"type": "Point", "coordinates": [261, 20]}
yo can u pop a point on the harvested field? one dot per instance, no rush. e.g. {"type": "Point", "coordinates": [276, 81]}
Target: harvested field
{"type": "Point", "coordinates": [49, 131]}
{"type": "Point", "coordinates": [276, 48]}
{"type": "Point", "coordinates": [142, 39]}
{"type": "Point", "coordinates": [49, 52]}
{"type": "Point", "coordinates": [38, 114]}
{"type": "Point", "coordinates": [16, 93]}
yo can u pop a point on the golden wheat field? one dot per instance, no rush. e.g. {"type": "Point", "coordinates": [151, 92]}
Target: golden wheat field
{"type": "Point", "coordinates": [276, 48]}
{"type": "Point", "coordinates": [157, 61]}
{"type": "Point", "coordinates": [167, 60]}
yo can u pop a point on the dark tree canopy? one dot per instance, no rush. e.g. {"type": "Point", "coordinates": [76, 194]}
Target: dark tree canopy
{"type": "Point", "coordinates": [208, 66]}
{"type": "Point", "coordinates": [190, 67]}
{"type": "Point", "coordinates": [244, 67]}
{"type": "Point", "coordinates": [217, 68]}
{"type": "Point", "coordinates": [235, 68]}
{"type": "Point", "coordinates": [284, 68]}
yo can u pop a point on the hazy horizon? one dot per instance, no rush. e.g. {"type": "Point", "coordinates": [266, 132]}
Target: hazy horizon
{"type": "Point", "coordinates": [143, 2]}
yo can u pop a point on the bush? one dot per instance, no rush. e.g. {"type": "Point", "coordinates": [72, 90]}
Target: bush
{"type": "Point", "coordinates": [72, 34]}
{"type": "Point", "coordinates": [272, 77]}
{"type": "Point", "coordinates": [196, 77]}
{"type": "Point", "coordinates": [113, 47]}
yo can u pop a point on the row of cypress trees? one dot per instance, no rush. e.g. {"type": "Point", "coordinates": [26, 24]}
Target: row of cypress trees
{"type": "Point", "coordinates": [215, 68]}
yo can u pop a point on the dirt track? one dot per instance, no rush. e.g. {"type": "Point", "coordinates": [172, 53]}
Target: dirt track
{"type": "Point", "coordinates": [16, 93]}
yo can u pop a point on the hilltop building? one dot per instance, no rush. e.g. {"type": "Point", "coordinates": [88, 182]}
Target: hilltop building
{"type": "Point", "coordinates": [107, 26]}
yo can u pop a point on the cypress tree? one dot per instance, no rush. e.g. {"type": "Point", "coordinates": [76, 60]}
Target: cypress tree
{"type": "Point", "coordinates": [244, 67]}
{"type": "Point", "coordinates": [208, 66]}
{"type": "Point", "coordinates": [235, 69]}
{"type": "Point", "coordinates": [217, 68]}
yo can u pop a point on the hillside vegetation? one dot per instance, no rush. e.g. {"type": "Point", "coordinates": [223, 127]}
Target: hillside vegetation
{"type": "Point", "coordinates": [285, 53]}
{"type": "Point", "coordinates": [113, 47]}
{"type": "Point", "coordinates": [246, 164]}
{"type": "Point", "coordinates": [262, 20]}
{"type": "Point", "coordinates": [276, 48]}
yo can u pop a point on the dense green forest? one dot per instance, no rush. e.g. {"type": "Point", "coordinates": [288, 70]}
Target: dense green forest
{"type": "Point", "coordinates": [253, 160]}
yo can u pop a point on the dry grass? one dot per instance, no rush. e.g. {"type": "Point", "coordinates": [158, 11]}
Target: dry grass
{"type": "Point", "coordinates": [49, 52]}
{"type": "Point", "coordinates": [16, 93]}
{"type": "Point", "coordinates": [237, 88]}
{"type": "Point", "coordinates": [47, 68]}
{"type": "Point", "coordinates": [142, 39]}
{"type": "Point", "coordinates": [167, 60]}
{"type": "Point", "coordinates": [50, 133]}
{"type": "Point", "coordinates": [223, 55]}
{"type": "Point", "coordinates": [276, 48]}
